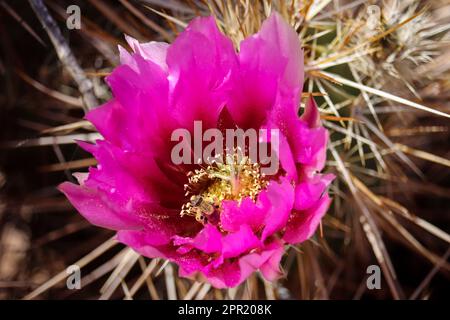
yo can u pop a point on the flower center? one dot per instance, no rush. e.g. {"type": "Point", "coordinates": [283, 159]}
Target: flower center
{"type": "Point", "coordinates": [235, 179]}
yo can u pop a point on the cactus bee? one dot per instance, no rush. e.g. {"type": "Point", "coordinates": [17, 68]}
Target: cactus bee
{"type": "Point", "coordinates": [200, 208]}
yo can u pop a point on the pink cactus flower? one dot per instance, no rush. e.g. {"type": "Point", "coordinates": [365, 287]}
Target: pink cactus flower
{"type": "Point", "coordinates": [137, 190]}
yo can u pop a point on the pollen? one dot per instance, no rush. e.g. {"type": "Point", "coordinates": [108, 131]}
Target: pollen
{"type": "Point", "coordinates": [207, 187]}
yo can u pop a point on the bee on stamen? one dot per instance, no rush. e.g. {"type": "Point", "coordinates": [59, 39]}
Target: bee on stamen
{"type": "Point", "coordinates": [200, 208]}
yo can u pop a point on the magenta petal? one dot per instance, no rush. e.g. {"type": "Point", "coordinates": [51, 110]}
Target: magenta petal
{"type": "Point", "coordinates": [191, 263]}
{"type": "Point", "coordinates": [268, 262]}
{"type": "Point", "coordinates": [270, 269]}
{"type": "Point", "coordinates": [303, 224]}
{"type": "Point", "coordinates": [154, 51]}
{"type": "Point", "coordinates": [144, 243]}
{"type": "Point", "coordinates": [256, 84]}
{"type": "Point", "coordinates": [284, 152]}
{"type": "Point", "coordinates": [96, 208]}
{"type": "Point", "coordinates": [248, 213]}
{"type": "Point", "coordinates": [287, 159]}
{"type": "Point", "coordinates": [249, 264]}
{"type": "Point", "coordinates": [311, 146]}
{"type": "Point", "coordinates": [308, 192]}
{"type": "Point", "coordinates": [138, 118]}
{"type": "Point", "coordinates": [126, 58]}
{"type": "Point", "coordinates": [200, 63]}
{"type": "Point", "coordinates": [228, 275]}
{"type": "Point", "coordinates": [271, 210]}
{"type": "Point", "coordinates": [139, 238]}
{"type": "Point", "coordinates": [311, 115]}
{"type": "Point", "coordinates": [104, 119]}
{"type": "Point", "coordinates": [308, 145]}
{"type": "Point", "coordinates": [271, 68]}
{"type": "Point", "coordinates": [277, 31]}
{"type": "Point", "coordinates": [234, 244]}
{"type": "Point", "coordinates": [130, 175]}
{"type": "Point", "coordinates": [208, 240]}
{"type": "Point", "coordinates": [152, 245]}
{"type": "Point", "coordinates": [281, 199]}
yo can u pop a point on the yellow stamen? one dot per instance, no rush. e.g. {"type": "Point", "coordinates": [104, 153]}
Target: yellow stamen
{"type": "Point", "coordinates": [235, 179]}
